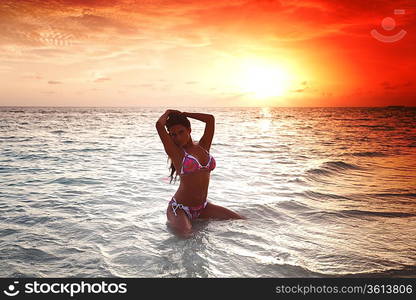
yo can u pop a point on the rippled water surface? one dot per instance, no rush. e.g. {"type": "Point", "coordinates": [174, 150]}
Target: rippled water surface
{"type": "Point", "coordinates": [327, 192]}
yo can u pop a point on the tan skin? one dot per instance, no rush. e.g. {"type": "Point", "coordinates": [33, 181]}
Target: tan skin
{"type": "Point", "coordinates": [193, 187]}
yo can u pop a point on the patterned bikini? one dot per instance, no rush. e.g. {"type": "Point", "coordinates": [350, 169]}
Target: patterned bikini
{"type": "Point", "coordinates": [190, 164]}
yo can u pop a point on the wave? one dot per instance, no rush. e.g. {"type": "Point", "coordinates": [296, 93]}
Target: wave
{"type": "Point", "coordinates": [84, 149]}
{"type": "Point", "coordinates": [333, 167]}
{"type": "Point", "coordinates": [368, 154]}
{"type": "Point", "coordinates": [92, 149]}
{"type": "Point", "coordinates": [377, 127]}
{"type": "Point", "coordinates": [58, 131]}
{"type": "Point", "coordinates": [340, 165]}
{"type": "Point", "coordinates": [317, 215]}
{"type": "Point", "coordinates": [75, 181]}
{"type": "Point", "coordinates": [26, 139]}
{"type": "Point", "coordinates": [13, 110]}
{"type": "Point", "coordinates": [7, 231]}
{"type": "Point", "coordinates": [28, 254]}
{"type": "Point", "coordinates": [297, 180]}
{"type": "Point", "coordinates": [49, 111]}
{"type": "Point", "coordinates": [36, 157]}
{"type": "Point", "coordinates": [386, 214]}
{"type": "Point", "coordinates": [321, 196]}
{"type": "Point", "coordinates": [387, 195]}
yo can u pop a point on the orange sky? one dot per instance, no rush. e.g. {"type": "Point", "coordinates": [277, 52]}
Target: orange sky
{"type": "Point", "coordinates": [206, 53]}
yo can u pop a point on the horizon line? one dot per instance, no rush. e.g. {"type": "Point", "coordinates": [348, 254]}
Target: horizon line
{"type": "Point", "coordinates": [185, 106]}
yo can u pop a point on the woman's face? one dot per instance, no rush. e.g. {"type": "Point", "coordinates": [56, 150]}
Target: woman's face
{"type": "Point", "coordinates": [180, 134]}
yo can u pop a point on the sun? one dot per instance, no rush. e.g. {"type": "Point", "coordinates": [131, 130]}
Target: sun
{"type": "Point", "coordinates": [263, 80]}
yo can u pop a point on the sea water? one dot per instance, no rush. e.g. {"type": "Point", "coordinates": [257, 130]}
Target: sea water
{"type": "Point", "coordinates": [326, 192]}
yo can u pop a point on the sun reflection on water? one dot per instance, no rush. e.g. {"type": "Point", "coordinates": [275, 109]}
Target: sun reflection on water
{"type": "Point", "coordinates": [265, 119]}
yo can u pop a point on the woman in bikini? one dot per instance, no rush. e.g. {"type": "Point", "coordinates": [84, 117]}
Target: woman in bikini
{"type": "Point", "coordinates": [193, 163]}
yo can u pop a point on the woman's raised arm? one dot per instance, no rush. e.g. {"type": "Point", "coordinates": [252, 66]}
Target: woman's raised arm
{"type": "Point", "coordinates": [199, 116]}
{"type": "Point", "coordinates": [170, 148]}
{"type": "Point", "coordinates": [206, 140]}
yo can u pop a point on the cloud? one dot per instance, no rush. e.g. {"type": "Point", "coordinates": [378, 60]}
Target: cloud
{"type": "Point", "coordinates": [303, 88]}
{"type": "Point", "coordinates": [327, 94]}
{"type": "Point", "coordinates": [145, 85]}
{"type": "Point", "coordinates": [102, 79]}
{"type": "Point", "coordinates": [5, 69]}
{"type": "Point", "coordinates": [32, 76]}
{"type": "Point", "coordinates": [48, 92]}
{"type": "Point", "coordinates": [389, 86]}
{"type": "Point", "coordinates": [191, 23]}
{"type": "Point", "coordinates": [298, 90]}
{"type": "Point", "coordinates": [129, 41]}
{"type": "Point", "coordinates": [160, 25]}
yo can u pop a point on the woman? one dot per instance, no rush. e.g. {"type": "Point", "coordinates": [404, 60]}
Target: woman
{"type": "Point", "coordinates": [193, 163]}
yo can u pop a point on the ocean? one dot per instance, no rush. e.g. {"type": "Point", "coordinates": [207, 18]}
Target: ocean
{"type": "Point", "coordinates": [327, 192]}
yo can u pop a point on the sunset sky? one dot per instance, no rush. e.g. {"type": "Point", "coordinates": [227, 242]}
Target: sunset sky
{"type": "Point", "coordinates": [206, 53]}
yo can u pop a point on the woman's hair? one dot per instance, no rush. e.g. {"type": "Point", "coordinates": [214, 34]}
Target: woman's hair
{"type": "Point", "coordinates": [176, 119]}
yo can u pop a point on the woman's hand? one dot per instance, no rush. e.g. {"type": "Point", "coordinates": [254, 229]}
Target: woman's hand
{"type": "Point", "coordinates": [163, 118]}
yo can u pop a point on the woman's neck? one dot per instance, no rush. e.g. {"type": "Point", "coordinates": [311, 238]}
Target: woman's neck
{"type": "Point", "coordinates": [189, 145]}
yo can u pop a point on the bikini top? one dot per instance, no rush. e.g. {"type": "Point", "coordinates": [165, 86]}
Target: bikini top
{"type": "Point", "coordinates": [191, 164]}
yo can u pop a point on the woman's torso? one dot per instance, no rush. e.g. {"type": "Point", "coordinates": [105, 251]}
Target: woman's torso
{"type": "Point", "coordinates": [193, 188]}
